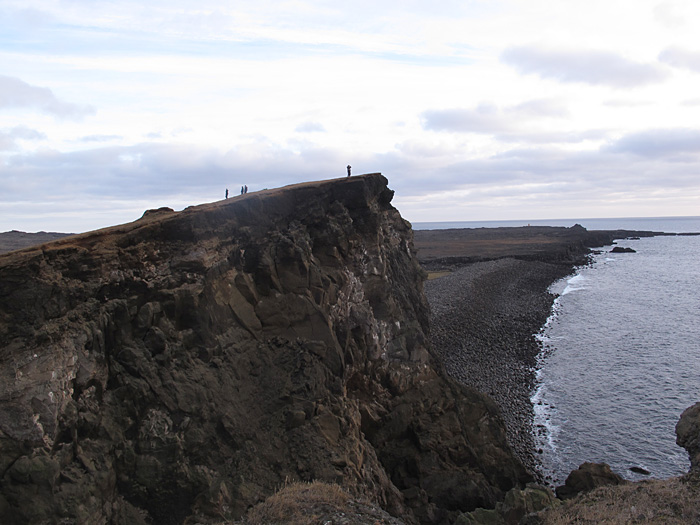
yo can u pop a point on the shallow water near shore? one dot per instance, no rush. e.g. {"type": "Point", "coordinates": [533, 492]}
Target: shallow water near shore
{"type": "Point", "coordinates": [621, 359]}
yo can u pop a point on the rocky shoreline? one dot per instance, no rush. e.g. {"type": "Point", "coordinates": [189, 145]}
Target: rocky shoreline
{"type": "Point", "coordinates": [489, 302]}
{"type": "Point", "coordinates": [483, 320]}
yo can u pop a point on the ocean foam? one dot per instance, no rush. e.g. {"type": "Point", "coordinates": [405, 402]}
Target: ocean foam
{"type": "Point", "coordinates": [574, 284]}
{"type": "Point", "coordinates": [543, 420]}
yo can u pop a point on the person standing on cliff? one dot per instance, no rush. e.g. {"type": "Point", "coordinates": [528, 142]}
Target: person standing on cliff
{"type": "Point", "coordinates": [227, 193]}
{"type": "Point", "coordinates": [349, 169]}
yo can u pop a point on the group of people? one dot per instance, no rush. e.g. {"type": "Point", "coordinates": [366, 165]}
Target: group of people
{"type": "Point", "coordinates": [244, 189]}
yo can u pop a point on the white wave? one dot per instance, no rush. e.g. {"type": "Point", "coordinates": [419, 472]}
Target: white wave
{"type": "Point", "coordinates": [543, 419]}
{"type": "Point", "coordinates": [574, 284]}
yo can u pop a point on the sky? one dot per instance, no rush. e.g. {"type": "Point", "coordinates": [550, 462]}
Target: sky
{"type": "Point", "coordinates": [474, 110]}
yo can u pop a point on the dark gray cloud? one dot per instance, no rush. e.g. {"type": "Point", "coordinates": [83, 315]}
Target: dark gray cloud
{"type": "Point", "coordinates": [589, 67]}
{"type": "Point", "coordinates": [113, 179]}
{"type": "Point", "coordinates": [15, 93]}
{"type": "Point", "coordinates": [681, 58]}
{"type": "Point", "coordinates": [552, 173]}
{"type": "Point", "coordinates": [488, 118]}
{"type": "Point", "coordinates": [154, 169]}
{"type": "Point", "coordinates": [659, 143]}
{"type": "Point", "coordinates": [8, 139]}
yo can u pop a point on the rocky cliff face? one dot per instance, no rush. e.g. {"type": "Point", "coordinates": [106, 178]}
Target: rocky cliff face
{"type": "Point", "coordinates": [186, 365]}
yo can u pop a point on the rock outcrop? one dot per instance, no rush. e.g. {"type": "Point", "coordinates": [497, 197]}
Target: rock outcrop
{"type": "Point", "coordinates": [688, 435]}
{"type": "Point", "coordinates": [588, 477]}
{"type": "Point", "coordinates": [186, 365]}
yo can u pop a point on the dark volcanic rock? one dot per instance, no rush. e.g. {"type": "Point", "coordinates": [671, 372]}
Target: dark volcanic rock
{"type": "Point", "coordinates": [185, 365]}
{"type": "Point", "coordinates": [620, 249]}
{"type": "Point", "coordinates": [688, 435]}
{"type": "Point", "coordinates": [588, 477]}
{"type": "Point", "coordinates": [640, 470]}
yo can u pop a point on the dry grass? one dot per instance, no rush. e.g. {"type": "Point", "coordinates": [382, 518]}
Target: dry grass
{"type": "Point", "coordinates": [300, 504]}
{"type": "Point", "coordinates": [670, 501]}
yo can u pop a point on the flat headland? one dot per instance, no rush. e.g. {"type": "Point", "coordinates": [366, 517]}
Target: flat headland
{"type": "Point", "coordinates": [490, 299]}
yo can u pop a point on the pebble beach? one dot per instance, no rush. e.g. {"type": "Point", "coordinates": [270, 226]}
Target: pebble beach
{"type": "Point", "coordinates": [484, 317]}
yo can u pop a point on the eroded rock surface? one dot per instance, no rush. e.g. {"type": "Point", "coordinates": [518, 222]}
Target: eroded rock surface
{"type": "Point", "coordinates": [688, 435]}
{"type": "Point", "coordinates": [587, 477]}
{"type": "Point", "coordinates": [187, 364]}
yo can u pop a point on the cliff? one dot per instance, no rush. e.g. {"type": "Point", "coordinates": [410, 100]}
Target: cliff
{"type": "Point", "coordinates": [185, 366]}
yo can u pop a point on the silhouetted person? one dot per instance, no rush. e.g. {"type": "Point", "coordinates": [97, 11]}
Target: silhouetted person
{"type": "Point", "coordinates": [241, 190]}
{"type": "Point", "coordinates": [246, 188]}
{"type": "Point", "coordinates": [227, 193]}
{"type": "Point", "coordinates": [349, 167]}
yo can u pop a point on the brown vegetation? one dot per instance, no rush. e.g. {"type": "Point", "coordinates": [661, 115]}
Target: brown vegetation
{"type": "Point", "coordinates": [316, 503]}
{"type": "Point", "coordinates": [669, 501]}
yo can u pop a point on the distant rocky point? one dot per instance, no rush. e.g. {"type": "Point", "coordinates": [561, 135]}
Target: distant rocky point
{"type": "Point", "coordinates": [16, 240]}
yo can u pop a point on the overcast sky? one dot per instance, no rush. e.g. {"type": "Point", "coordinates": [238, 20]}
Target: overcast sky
{"type": "Point", "coordinates": [474, 110]}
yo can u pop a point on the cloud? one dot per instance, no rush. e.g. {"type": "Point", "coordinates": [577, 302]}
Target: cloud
{"type": "Point", "coordinates": [488, 118]}
{"type": "Point", "coordinates": [485, 118]}
{"type": "Point", "coordinates": [546, 180]}
{"type": "Point", "coordinates": [100, 138]}
{"type": "Point", "coordinates": [15, 93]}
{"type": "Point", "coordinates": [589, 67]}
{"type": "Point", "coordinates": [659, 143]}
{"type": "Point", "coordinates": [681, 58]}
{"type": "Point", "coordinates": [670, 14]}
{"type": "Point", "coordinates": [555, 137]}
{"type": "Point", "coordinates": [626, 103]}
{"type": "Point", "coordinates": [8, 139]}
{"type": "Point", "coordinates": [156, 169]}
{"type": "Point", "coordinates": [310, 127]}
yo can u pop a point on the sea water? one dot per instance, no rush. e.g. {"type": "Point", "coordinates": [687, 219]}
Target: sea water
{"type": "Point", "coordinates": [620, 359]}
{"type": "Point", "coordinates": [620, 353]}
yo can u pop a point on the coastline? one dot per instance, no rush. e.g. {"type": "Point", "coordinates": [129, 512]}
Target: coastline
{"type": "Point", "coordinates": [491, 300]}
{"type": "Point", "coordinates": [484, 318]}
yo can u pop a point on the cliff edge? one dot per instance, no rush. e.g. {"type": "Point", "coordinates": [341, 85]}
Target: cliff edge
{"type": "Point", "coordinates": [185, 366]}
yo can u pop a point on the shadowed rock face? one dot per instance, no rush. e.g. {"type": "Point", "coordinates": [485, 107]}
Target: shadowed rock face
{"type": "Point", "coordinates": [187, 364]}
{"type": "Point", "coordinates": [688, 435]}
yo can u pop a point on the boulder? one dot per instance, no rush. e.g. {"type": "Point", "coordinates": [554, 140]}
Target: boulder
{"type": "Point", "coordinates": [588, 477]}
{"type": "Point", "coordinates": [517, 504]}
{"type": "Point", "coordinates": [688, 435]}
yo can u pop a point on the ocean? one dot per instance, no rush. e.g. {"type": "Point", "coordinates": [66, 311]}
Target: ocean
{"type": "Point", "coordinates": [620, 353]}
